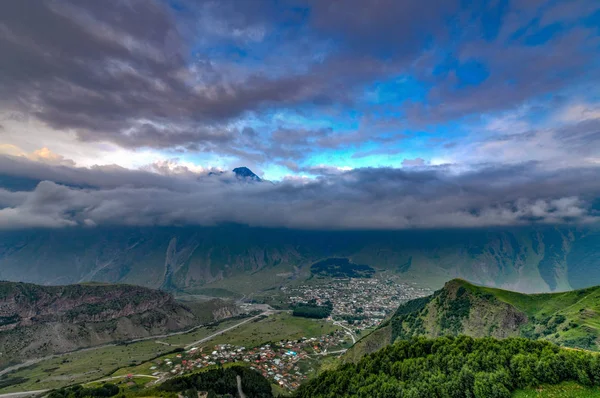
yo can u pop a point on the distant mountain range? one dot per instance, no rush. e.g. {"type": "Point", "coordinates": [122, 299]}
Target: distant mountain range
{"type": "Point", "coordinates": [570, 319]}
{"type": "Point", "coordinates": [36, 321]}
{"type": "Point", "coordinates": [235, 260]}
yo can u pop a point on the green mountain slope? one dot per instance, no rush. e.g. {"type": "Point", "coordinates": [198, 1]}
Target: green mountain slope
{"type": "Point", "coordinates": [36, 321]}
{"type": "Point", "coordinates": [570, 319]}
{"type": "Point", "coordinates": [239, 260]}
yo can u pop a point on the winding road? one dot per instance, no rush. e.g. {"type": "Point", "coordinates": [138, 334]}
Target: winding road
{"type": "Point", "coordinates": [348, 331]}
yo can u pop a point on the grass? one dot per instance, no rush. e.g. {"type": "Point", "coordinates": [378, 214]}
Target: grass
{"type": "Point", "coordinates": [274, 328]}
{"type": "Point", "coordinates": [564, 390]}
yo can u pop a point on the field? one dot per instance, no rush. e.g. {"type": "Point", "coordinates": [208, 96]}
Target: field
{"type": "Point", "coordinates": [564, 390]}
{"type": "Point", "coordinates": [87, 366]}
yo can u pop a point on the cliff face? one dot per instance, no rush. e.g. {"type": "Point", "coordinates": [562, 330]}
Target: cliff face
{"type": "Point", "coordinates": [41, 320]}
{"type": "Point", "coordinates": [23, 304]}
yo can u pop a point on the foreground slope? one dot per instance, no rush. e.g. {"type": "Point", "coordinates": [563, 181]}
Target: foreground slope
{"type": "Point", "coordinates": [40, 320]}
{"type": "Point", "coordinates": [570, 319]}
{"type": "Point", "coordinates": [449, 367]}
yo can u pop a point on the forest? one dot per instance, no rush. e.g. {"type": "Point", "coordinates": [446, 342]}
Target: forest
{"type": "Point", "coordinates": [455, 367]}
{"type": "Point", "coordinates": [341, 268]}
{"type": "Point", "coordinates": [313, 310]}
{"type": "Point", "coordinates": [77, 391]}
{"type": "Point", "coordinates": [220, 381]}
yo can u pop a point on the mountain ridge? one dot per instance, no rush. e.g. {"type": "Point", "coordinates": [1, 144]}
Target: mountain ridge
{"type": "Point", "coordinates": [245, 259]}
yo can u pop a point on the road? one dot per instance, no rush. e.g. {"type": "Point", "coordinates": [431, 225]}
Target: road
{"type": "Point", "coordinates": [348, 331]}
{"type": "Point", "coordinates": [205, 339]}
{"type": "Point", "coordinates": [323, 353]}
{"type": "Point", "coordinates": [119, 377]}
{"type": "Point", "coordinates": [25, 394]}
{"type": "Point", "coordinates": [239, 386]}
{"type": "Point", "coordinates": [22, 394]}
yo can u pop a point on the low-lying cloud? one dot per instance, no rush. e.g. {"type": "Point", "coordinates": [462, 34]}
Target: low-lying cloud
{"type": "Point", "coordinates": [370, 198]}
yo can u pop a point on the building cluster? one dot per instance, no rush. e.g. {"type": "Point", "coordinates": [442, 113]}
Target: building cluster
{"type": "Point", "coordinates": [360, 302]}
{"type": "Point", "coordinates": [285, 362]}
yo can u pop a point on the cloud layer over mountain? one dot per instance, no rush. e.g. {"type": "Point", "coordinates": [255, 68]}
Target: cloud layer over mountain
{"type": "Point", "coordinates": [369, 198]}
{"type": "Point", "coordinates": [384, 114]}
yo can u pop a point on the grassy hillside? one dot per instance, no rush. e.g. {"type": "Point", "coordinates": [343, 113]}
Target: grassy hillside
{"type": "Point", "coordinates": [570, 319]}
{"type": "Point", "coordinates": [236, 260]}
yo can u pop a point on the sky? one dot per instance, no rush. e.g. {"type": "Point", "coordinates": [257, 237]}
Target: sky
{"type": "Point", "coordinates": [383, 114]}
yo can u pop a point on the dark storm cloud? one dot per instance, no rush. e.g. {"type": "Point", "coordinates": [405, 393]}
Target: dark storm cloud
{"type": "Point", "coordinates": [385, 28]}
{"type": "Point", "coordinates": [120, 72]}
{"type": "Point", "coordinates": [371, 198]}
{"type": "Point", "coordinates": [144, 74]}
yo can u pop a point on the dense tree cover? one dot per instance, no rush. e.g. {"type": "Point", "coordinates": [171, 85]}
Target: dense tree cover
{"type": "Point", "coordinates": [341, 268]}
{"type": "Point", "coordinates": [455, 367]}
{"type": "Point", "coordinates": [106, 390]}
{"type": "Point", "coordinates": [220, 381]}
{"type": "Point", "coordinates": [313, 310]}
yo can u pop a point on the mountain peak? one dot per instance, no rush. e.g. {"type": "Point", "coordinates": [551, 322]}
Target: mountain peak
{"type": "Point", "coordinates": [246, 173]}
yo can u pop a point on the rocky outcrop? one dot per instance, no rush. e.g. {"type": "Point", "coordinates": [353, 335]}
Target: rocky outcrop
{"type": "Point", "coordinates": [24, 304]}
{"type": "Point", "coordinates": [41, 320]}
{"type": "Point", "coordinates": [225, 312]}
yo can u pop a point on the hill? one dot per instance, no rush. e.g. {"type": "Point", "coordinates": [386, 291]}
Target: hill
{"type": "Point", "coordinates": [449, 367]}
{"type": "Point", "coordinates": [36, 321]}
{"type": "Point", "coordinates": [570, 319]}
{"type": "Point", "coordinates": [234, 260]}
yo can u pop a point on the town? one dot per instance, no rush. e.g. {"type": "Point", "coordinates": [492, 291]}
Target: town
{"type": "Point", "coordinates": [361, 303]}
{"type": "Point", "coordinates": [286, 363]}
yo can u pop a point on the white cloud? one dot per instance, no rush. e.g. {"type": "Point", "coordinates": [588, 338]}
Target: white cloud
{"type": "Point", "coordinates": [579, 112]}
